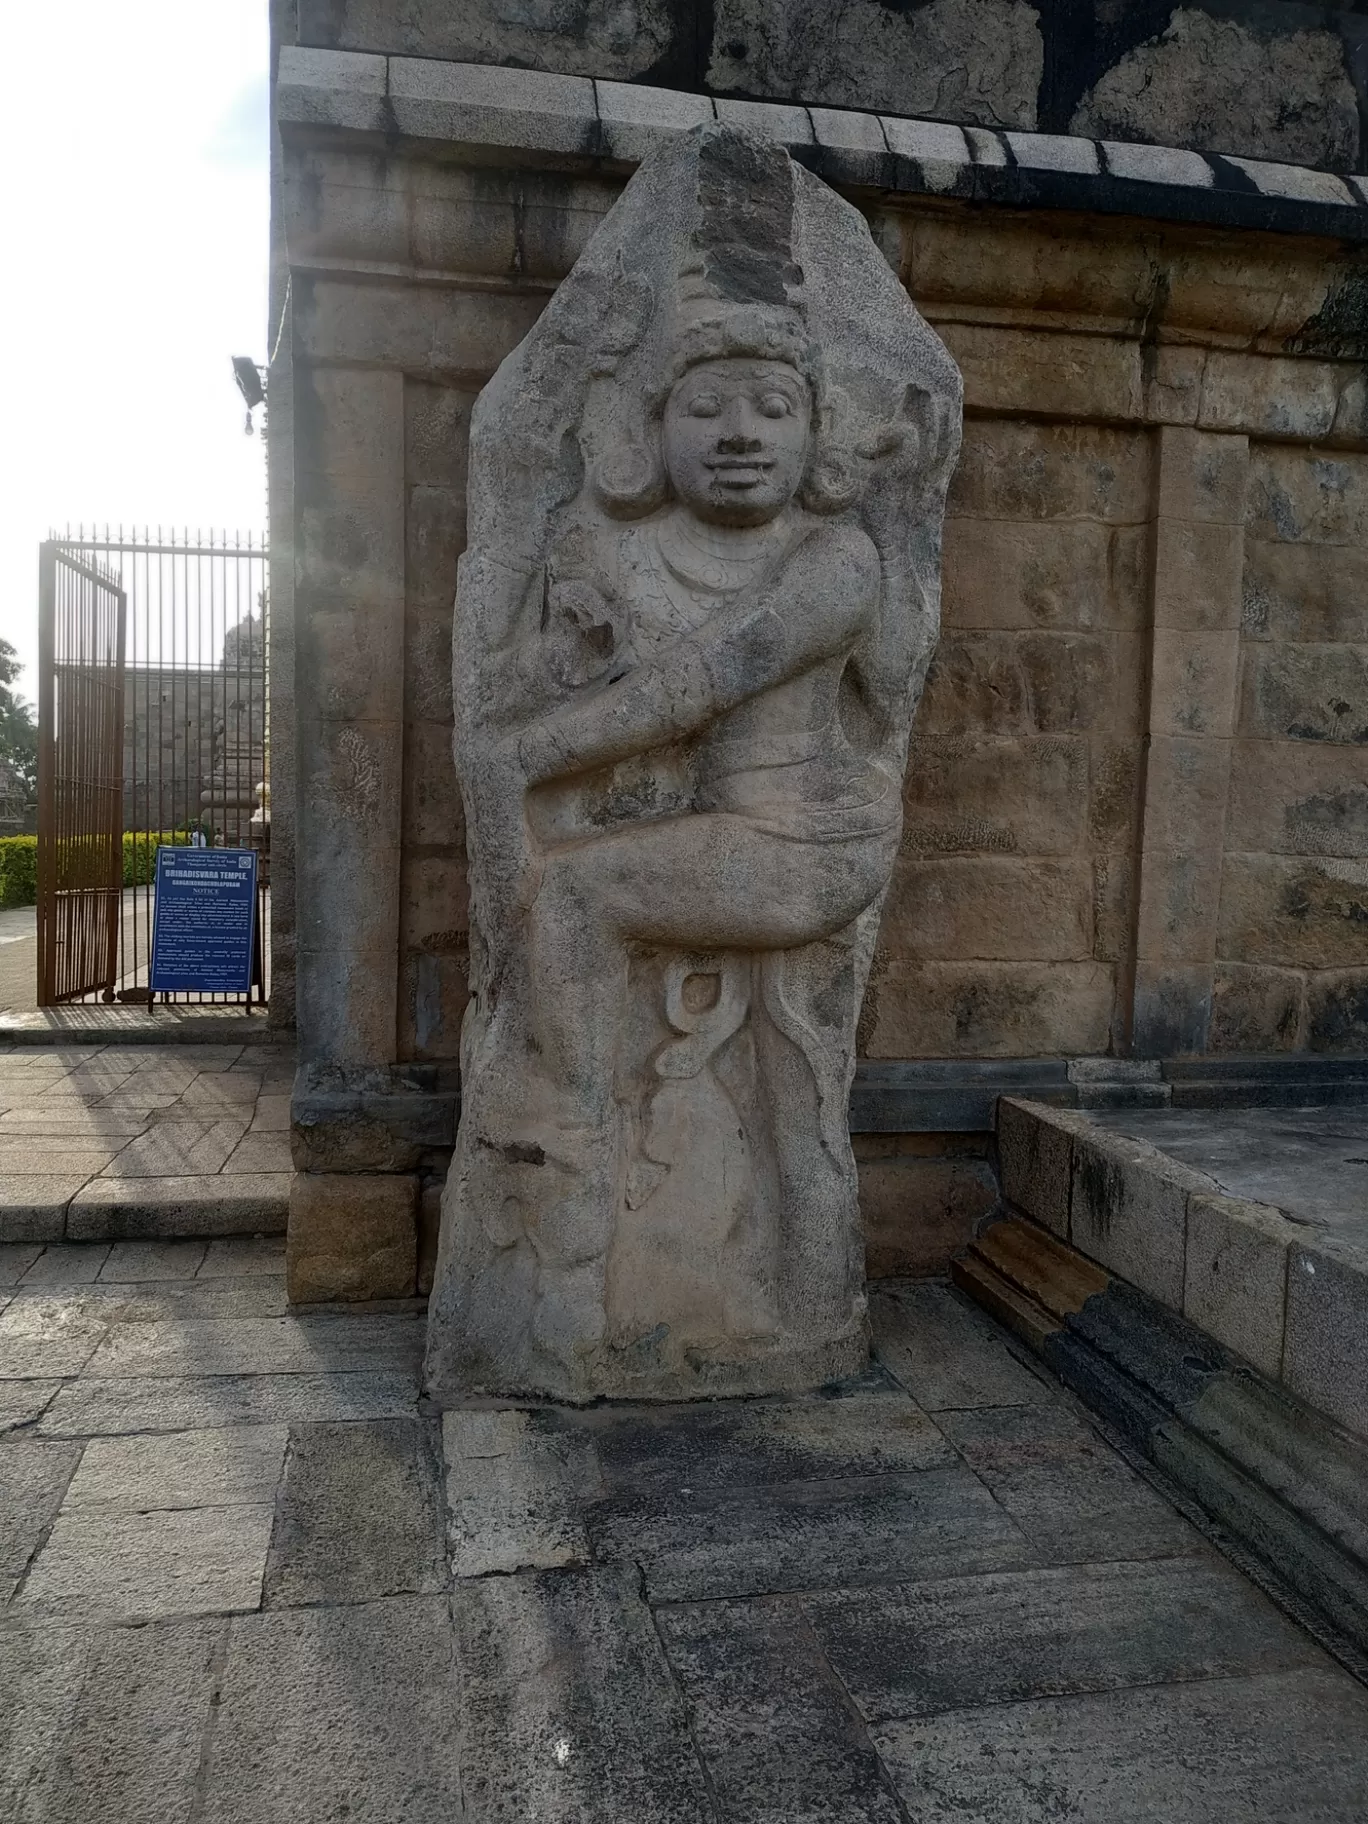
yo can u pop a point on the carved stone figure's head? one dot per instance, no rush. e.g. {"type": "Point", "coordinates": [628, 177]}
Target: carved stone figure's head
{"type": "Point", "coordinates": [735, 437]}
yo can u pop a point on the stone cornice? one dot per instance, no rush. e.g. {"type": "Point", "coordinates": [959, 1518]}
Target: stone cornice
{"type": "Point", "coordinates": [491, 114]}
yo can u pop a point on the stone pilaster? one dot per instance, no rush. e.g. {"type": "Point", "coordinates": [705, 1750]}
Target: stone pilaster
{"type": "Point", "coordinates": [1197, 572]}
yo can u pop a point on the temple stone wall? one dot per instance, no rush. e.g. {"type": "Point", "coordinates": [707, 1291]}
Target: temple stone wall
{"type": "Point", "coordinates": [1137, 799]}
{"type": "Point", "coordinates": [1258, 78]}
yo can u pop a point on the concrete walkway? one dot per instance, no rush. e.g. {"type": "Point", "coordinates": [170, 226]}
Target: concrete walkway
{"type": "Point", "coordinates": [109, 1141]}
{"type": "Point", "coordinates": [933, 1595]}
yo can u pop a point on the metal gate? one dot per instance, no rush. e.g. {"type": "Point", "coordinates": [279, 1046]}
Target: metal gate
{"type": "Point", "coordinates": [189, 762]}
{"type": "Point", "coordinates": [82, 620]}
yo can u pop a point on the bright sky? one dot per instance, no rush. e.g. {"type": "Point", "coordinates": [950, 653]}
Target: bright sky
{"type": "Point", "coordinates": [134, 258]}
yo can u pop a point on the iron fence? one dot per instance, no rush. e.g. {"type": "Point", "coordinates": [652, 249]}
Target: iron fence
{"type": "Point", "coordinates": [193, 757]}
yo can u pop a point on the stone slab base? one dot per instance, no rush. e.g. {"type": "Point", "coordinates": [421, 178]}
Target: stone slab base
{"type": "Point", "coordinates": [1286, 1483]}
{"type": "Point", "coordinates": [82, 1025]}
{"type": "Point", "coordinates": [352, 1236]}
{"type": "Point", "coordinates": [46, 1208]}
{"type": "Point", "coordinates": [1287, 1296]}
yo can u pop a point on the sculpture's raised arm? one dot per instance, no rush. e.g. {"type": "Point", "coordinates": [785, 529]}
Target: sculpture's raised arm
{"type": "Point", "coordinates": [822, 600]}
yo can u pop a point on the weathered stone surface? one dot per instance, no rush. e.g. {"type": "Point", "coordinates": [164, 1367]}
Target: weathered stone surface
{"type": "Point", "coordinates": [1082, 575]}
{"type": "Point", "coordinates": [338, 1712]}
{"type": "Point", "coordinates": [516, 1490]}
{"type": "Point", "coordinates": [675, 891]}
{"type": "Point", "coordinates": [800, 1536]}
{"type": "Point", "coordinates": [22, 1402]}
{"type": "Point", "coordinates": [140, 1262]}
{"type": "Point", "coordinates": [359, 1516]}
{"type": "Point", "coordinates": [996, 795]}
{"type": "Point", "coordinates": [100, 1408]}
{"type": "Point", "coordinates": [1256, 1007]}
{"type": "Point", "coordinates": [946, 1353]}
{"type": "Point", "coordinates": [1308, 913]}
{"type": "Point", "coordinates": [920, 1649]}
{"type": "Point", "coordinates": [1325, 1359]}
{"type": "Point", "coordinates": [1306, 693]}
{"type": "Point", "coordinates": [1035, 1162]}
{"type": "Point", "coordinates": [315, 1344]}
{"type": "Point", "coordinates": [1246, 1750]}
{"type": "Point", "coordinates": [130, 1747]}
{"type": "Point", "coordinates": [919, 1212]}
{"type": "Point", "coordinates": [235, 1466]}
{"type": "Point", "coordinates": [690, 1453]}
{"type": "Point", "coordinates": [1298, 798]}
{"type": "Point", "coordinates": [1014, 470]}
{"type": "Point", "coordinates": [1220, 85]}
{"type": "Point", "coordinates": [1337, 1010]}
{"type": "Point", "coordinates": [16, 1257]}
{"type": "Point", "coordinates": [1128, 1210]}
{"type": "Point", "coordinates": [568, 1704]}
{"type": "Point", "coordinates": [248, 1203]}
{"type": "Point", "coordinates": [1304, 591]}
{"type": "Point", "coordinates": [597, 40]}
{"type": "Point", "coordinates": [33, 1207]}
{"type": "Point", "coordinates": [773, 1728]}
{"type": "Point", "coordinates": [46, 1335]}
{"type": "Point", "coordinates": [61, 1264]}
{"type": "Point", "coordinates": [995, 1010]}
{"type": "Point", "coordinates": [970, 906]}
{"type": "Point", "coordinates": [1072, 1497]}
{"type": "Point", "coordinates": [351, 1236]}
{"type": "Point", "coordinates": [137, 1567]}
{"type": "Point", "coordinates": [931, 62]}
{"type": "Point", "coordinates": [1235, 1282]}
{"type": "Point", "coordinates": [233, 1257]}
{"type": "Point", "coordinates": [33, 1477]}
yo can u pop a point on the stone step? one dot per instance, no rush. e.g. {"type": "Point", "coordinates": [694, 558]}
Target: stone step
{"type": "Point", "coordinates": [43, 1207]}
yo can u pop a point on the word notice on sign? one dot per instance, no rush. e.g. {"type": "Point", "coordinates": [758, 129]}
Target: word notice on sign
{"type": "Point", "coordinates": [203, 921]}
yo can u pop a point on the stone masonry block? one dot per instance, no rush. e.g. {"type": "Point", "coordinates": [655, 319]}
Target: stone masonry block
{"type": "Point", "coordinates": [351, 1236]}
{"type": "Point", "coordinates": [527, 110]}
{"type": "Point", "coordinates": [1300, 496]}
{"type": "Point", "coordinates": [1128, 1211]}
{"type": "Point", "coordinates": [1305, 592]}
{"type": "Point", "coordinates": [1299, 798]}
{"type": "Point", "coordinates": [1265, 396]}
{"type": "Point", "coordinates": [988, 1010]}
{"type": "Point", "coordinates": [1337, 1010]}
{"type": "Point", "coordinates": [1198, 572]}
{"type": "Point", "coordinates": [1013, 469]}
{"type": "Point", "coordinates": [1035, 1161]}
{"type": "Point", "coordinates": [1325, 1345]}
{"type": "Point", "coordinates": [970, 906]}
{"type": "Point", "coordinates": [1257, 1007]}
{"type": "Point", "coordinates": [1235, 1283]}
{"type": "Point", "coordinates": [1192, 688]}
{"type": "Point", "coordinates": [634, 121]}
{"type": "Point", "coordinates": [990, 795]}
{"type": "Point", "coordinates": [1088, 377]}
{"type": "Point", "coordinates": [1306, 693]}
{"type": "Point", "coordinates": [1202, 478]}
{"type": "Point", "coordinates": [1302, 913]}
{"type": "Point", "coordinates": [919, 1212]}
{"type": "Point", "coordinates": [1081, 575]}
{"type": "Point", "coordinates": [1179, 896]}
{"type": "Point", "coordinates": [1186, 784]}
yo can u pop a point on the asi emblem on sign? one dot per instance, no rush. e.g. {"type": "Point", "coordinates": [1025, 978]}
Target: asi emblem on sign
{"type": "Point", "coordinates": [203, 921]}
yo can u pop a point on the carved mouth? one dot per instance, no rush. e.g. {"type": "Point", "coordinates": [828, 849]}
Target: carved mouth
{"type": "Point", "coordinates": [755, 464]}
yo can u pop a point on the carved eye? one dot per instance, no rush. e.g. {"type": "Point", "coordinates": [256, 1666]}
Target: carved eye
{"type": "Point", "coordinates": [775, 405]}
{"type": "Point", "coordinates": [705, 405]}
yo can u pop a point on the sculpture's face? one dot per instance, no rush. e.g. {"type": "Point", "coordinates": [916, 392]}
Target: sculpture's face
{"type": "Point", "coordinates": [736, 439]}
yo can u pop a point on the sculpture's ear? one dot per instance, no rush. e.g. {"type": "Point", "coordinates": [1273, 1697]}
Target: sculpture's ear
{"type": "Point", "coordinates": [629, 478]}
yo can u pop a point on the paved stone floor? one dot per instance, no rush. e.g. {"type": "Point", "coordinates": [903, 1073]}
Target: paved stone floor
{"type": "Point", "coordinates": [933, 1595]}
{"type": "Point", "coordinates": [107, 1140]}
{"type": "Point", "coordinates": [1310, 1162]}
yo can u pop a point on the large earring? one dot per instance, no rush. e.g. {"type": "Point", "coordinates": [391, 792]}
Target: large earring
{"type": "Point", "coordinates": [629, 481]}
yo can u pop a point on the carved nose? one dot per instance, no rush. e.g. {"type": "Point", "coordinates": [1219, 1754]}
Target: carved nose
{"type": "Point", "coordinates": [736, 441]}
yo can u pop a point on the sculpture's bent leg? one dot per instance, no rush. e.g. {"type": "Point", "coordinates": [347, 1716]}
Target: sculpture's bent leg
{"type": "Point", "coordinates": [705, 882]}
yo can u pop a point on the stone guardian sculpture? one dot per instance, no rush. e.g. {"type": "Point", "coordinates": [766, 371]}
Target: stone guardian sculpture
{"type": "Point", "coordinates": [692, 624]}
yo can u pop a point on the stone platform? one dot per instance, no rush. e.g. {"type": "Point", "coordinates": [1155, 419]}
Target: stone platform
{"type": "Point", "coordinates": [936, 1593]}
{"type": "Point", "coordinates": [108, 1140]}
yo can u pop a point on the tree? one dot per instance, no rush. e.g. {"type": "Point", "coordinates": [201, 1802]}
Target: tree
{"type": "Point", "coordinates": [18, 728]}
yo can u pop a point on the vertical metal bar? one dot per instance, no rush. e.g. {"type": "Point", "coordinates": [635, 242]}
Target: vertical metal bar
{"type": "Point", "coordinates": [47, 682]}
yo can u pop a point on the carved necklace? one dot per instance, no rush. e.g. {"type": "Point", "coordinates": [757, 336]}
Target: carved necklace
{"type": "Point", "coordinates": [716, 560]}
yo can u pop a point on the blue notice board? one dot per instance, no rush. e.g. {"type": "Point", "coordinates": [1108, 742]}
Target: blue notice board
{"type": "Point", "coordinates": [203, 921]}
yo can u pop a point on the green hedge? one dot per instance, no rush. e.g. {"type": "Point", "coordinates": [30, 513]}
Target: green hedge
{"type": "Point", "coordinates": [18, 870]}
{"type": "Point", "coordinates": [19, 862]}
